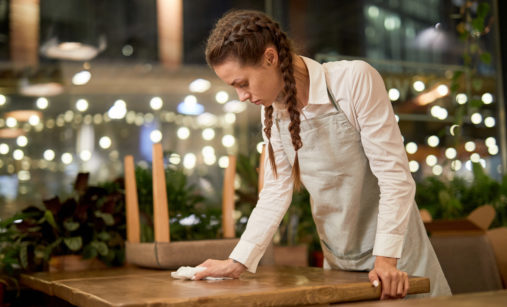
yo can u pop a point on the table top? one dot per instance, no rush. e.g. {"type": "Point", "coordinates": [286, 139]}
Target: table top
{"type": "Point", "coordinates": [270, 286]}
{"type": "Point", "coordinates": [483, 299]}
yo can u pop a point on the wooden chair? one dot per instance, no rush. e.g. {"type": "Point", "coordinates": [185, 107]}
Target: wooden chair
{"type": "Point", "coordinates": [170, 255]}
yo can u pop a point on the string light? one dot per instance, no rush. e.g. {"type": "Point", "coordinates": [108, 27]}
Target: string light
{"type": "Point", "coordinates": [469, 146]}
{"type": "Point", "coordinates": [156, 136]}
{"type": "Point", "coordinates": [223, 162]}
{"type": "Point", "coordinates": [394, 94]}
{"type": "Point", "coordinates": [189, 161]}
{"type": "Point", "coordinates": [431, 160]}
{"type": "Point", "coordinates": [228, 140]}
{"type": "Point", "coordinates": [461, 98]}
{"type": "Point", "coordinates": [433, 141]}
{"type": "Point", "coordinates": [487, 98]}
{"type": "Point", "coordinates": [450, 153]}
{"type": "Point", "coordinates": [221, 97]}
{"type": "Point", "coordinates": [414, 166]}
{"type": "Point", "coordinates": [42, 103]}
{"type": "Point", "coordinates": [183, 133]}
{"type": "Point", "coordinates": [419, 86]}
{"type": "Point", "coordinates": [156, 103]}
{"type": "Point", "coordinates": [105, 142]}
{"type": "Point", "coordinates": [411, 148]}
{"type": "Point", "coordinates": [82, 105]}
{"type": "Point", "coordinates": [208, 134]}
{"type": "Point", "coordinates": [49, 154]}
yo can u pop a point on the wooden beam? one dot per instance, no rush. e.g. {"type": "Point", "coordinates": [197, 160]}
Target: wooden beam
{"type": "Point", "coordinates": [24, 33]}
{"type": "Point", "coordinates": [170, 32]}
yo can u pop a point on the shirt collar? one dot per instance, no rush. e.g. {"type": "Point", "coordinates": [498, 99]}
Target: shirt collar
{"type": "Point", "coordinates": [318, 89]}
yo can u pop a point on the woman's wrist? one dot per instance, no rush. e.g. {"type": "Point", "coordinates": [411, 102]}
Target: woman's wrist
{"type": "Point", "coordinates": [386, 260]}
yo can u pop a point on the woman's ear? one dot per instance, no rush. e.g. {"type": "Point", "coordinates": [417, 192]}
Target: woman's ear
{"type": "Point", "coordinates": [271, 56]}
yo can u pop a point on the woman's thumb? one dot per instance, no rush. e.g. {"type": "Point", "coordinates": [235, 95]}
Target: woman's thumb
{"type": "Point", "coordinates": [374, 279]}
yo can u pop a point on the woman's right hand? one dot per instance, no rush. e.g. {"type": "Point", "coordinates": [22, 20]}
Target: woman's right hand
{"type": "Point", "coordinates": [220, 268]}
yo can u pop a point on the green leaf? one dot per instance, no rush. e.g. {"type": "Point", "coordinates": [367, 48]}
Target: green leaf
{"type": "Point", "coordinates": [106, 217]}
{"type": "Point", "coordinates": [73, 243]}
{"type": "Point", "coordinates": [104, 236]}
{"type": "Point", "coordinates": [477, 84]}
{"type": "Point", "coordinates": [70, 225]}
{"type": "Point", "coordinates": [486, 58]}
{"type": "Point", "coordinates": [456, 75]}
{"type": "Point", "coordinates": [48, 215]}
{"type": "Point", "coordinates": [101, 247]}
{"type": "Point", "coordinates": [476, 103]}
{"type": "Point", "coordinates": [467, 59]}
{"type": "Point", "coordinates": [483, 10]}
{"type": "Point", "coordinates": [23, 255]}
{"type": "Point", "coordinates": [474, 48]}
{"type": "Point", "coordinates": [40, 252]}
{"type": "Point", "coordinates": [89, 251]}
{"type": "Point", "coordinates": [478, 24]}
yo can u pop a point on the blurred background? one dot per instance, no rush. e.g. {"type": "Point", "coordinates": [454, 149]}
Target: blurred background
{"type": "Point", "coordinates": [85, 82]}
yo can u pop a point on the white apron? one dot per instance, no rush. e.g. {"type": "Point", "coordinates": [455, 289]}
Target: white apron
{"type": "Point", "coordinates": [345, 198]}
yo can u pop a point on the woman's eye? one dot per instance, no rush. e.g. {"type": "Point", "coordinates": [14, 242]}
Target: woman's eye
{"type": "Point", "coordinates": [243, 85]}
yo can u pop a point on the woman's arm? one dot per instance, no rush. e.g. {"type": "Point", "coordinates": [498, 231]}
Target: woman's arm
{"type": "Point", "coordinates": [383, 145]}
{"type": "Point", "coordinates": [264, 220]}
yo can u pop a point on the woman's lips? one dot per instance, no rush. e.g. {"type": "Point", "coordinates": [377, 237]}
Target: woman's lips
{"type": "Point", "coordinates": [257, 102]}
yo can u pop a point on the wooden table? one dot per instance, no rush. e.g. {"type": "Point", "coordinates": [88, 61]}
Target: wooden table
{"type": "Point", "coordinates": [270, 286]}
{"type": "Point", "coordinates": [482, 299]}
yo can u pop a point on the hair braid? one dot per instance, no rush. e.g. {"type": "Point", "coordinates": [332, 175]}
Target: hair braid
{"type": "Point", "coordinates": [268, 123]}
{"type": "Point", "coordinates": [245, 35]}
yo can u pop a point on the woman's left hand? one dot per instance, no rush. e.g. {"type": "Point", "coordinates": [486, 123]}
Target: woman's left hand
{"type": "Point", "coordinates": [394, 282]}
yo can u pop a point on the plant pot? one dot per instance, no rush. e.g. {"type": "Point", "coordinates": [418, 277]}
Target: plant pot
{"type": "Point", "coordinates": [72, 263]}
{"type": "Point", "coordinates": [296, 255]}
{"type": "Point", "coordinates": [317, 259]}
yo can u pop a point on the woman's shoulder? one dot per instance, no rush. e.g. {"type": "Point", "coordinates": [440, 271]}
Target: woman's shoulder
{"type": "Point", "coordinates": [349, 67]}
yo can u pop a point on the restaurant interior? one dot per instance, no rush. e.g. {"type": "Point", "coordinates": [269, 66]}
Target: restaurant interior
{"type": "Point", "coordinates": [108, 104]}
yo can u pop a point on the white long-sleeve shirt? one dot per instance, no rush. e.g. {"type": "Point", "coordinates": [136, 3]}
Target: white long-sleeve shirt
{"type": "Point", "coordinates": [361, 95]}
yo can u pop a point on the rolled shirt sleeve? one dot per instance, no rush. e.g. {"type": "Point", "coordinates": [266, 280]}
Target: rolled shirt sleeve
{"type": "Point", "coordinates": [273, 202]}
{"type": "Point", "coordinates": [383, 145]}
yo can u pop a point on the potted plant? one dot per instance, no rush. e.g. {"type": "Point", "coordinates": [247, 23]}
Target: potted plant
{"type": "Point", "coordinates": [90, 224]}
{"type": "Point", "coordinates": [190, 217]}
{"type": "Point", "coordinates": [456, 198]}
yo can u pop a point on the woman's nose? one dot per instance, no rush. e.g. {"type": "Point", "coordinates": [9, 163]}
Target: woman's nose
{"type": "Point", "coordinates": [243, 95]}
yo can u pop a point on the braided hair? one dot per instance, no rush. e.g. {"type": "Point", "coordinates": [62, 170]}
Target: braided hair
{"type": "Point", "coordinates": [244, 35]}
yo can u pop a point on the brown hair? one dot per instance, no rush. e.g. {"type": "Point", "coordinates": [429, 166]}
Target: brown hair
{"type": "Point", "coordinates": [244, 35]}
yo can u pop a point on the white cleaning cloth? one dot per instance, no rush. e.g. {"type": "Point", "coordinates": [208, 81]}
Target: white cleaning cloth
{"type": "Point", "coordinates": [187, 272]}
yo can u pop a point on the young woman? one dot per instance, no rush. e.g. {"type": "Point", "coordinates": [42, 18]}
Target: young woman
{"type": "Point", "coordinates": [330, 127]}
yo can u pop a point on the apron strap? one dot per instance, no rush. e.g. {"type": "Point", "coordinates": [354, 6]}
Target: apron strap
{"type": "Point", "coordinates": [331, 96]}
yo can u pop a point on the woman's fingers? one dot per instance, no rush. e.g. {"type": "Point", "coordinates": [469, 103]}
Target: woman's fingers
{"type": "Point", "coordinates": [407, 285]}
{"type": "Point", "coordinates": [374, 279]}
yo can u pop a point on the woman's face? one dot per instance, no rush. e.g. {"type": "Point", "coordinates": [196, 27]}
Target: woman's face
{"type": "Point", "coordinates": [261, 84]}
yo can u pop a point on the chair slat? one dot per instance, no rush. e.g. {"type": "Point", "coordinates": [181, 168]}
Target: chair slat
{"type": "Point", "coordinates": [228, 199]}
{"type": "Point", "coordinates": [160, 207]}
{"type": "Point", "coordinates": [131, 201]}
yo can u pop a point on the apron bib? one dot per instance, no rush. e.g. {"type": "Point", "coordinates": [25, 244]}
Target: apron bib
{"type": "Point", "coordinates": [345, 199]}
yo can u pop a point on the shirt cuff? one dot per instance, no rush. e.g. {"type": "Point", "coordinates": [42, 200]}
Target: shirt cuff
{"type": "Point", "coordinates": [388, 245]}
{"type": "Point", "coordinates": [248, 254]}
